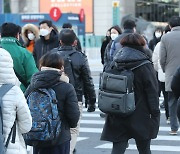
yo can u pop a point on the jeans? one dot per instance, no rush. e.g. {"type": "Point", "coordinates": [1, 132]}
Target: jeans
{"type": "Point", "coordinates": [59, 149]}
{"type": "Point", "coordinates": [172, 103]}
{"type": "Point", "coordinates": [143, 147]}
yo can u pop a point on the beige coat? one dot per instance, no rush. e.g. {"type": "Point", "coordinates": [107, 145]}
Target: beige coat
{"type": "Point", "coordinates": [170, 55]}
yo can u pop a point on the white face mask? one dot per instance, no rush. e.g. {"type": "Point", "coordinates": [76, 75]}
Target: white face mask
{"type": "Point", "coordinates": [157, 34]}
{"type": "Point", "coordinates": [114, 36]}
{"type": "Point", "coordinates": [31, 36]}
{"type": "Point", "coordinates": [44, 32]}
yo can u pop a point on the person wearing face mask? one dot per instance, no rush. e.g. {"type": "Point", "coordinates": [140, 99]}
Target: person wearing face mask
{"type": "Point", "coordinates": [105, 42]}
{"type": "Point", "coordinates": [30, 34]}
{"type": "Point", "coordinates": [24, 64]}
{"type": "Point", "coordinates": [156, 38]}
{"type": "Point", "coordinates": [48, 40]}
{"type": "Point", "coordinates": [115, 31]}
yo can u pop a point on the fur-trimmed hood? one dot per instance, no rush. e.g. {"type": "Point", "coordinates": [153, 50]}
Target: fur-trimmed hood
{"type": "Point", "coordinates": [32, 28]}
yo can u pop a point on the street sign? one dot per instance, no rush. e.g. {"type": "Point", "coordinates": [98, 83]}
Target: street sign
{"type": "Point", "coordinates": [55, 13]}
{"type": "Point", "coordinates": [81, 15]}
{"type": "Point", "coordinates": [116, 12]}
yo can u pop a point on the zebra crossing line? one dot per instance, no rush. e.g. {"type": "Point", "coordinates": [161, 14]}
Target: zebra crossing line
{"type": "Point", "coordinates": [91, 123]}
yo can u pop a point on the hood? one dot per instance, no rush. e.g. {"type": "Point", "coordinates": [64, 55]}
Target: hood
{"type": "Point", "coordinates": [129, 57]}
{"type": "Point", "coordinates": [53, 37]}
{"type": "Point", "coordinates": [7, 75]}
{"type": "Point", "coordinates": [32, 28]}
{"type": "Point", "coordinates": [45, 79]}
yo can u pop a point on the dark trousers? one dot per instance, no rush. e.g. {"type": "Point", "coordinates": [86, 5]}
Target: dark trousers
{"type": "Point", "coordinates": [165, 94]}
{"type": "Point", "coordinates": [59, 149]}
{"type": "Point", "coordinates": [143, 147]}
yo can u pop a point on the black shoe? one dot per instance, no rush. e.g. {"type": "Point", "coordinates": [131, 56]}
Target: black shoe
{"type": "Point", "coordinates": [162, 105]}
{"type": "Point", "coordinates": [102, 115]}
{"type": "Point", "coordinates": [74, 151]}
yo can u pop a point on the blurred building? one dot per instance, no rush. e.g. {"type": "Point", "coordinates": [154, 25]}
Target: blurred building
{"type": "Point", "coordinates": [156, 12]}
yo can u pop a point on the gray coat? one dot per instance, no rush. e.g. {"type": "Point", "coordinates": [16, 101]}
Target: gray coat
{"type": "Point", "coordinates": [170, 55]}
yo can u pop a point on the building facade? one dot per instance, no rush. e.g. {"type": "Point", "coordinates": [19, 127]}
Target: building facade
{"type": "Point", "coordinates": [155, 11]}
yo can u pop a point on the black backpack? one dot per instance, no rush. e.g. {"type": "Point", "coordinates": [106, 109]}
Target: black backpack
{"type": "Point", "coordinates": [68, 68]}
{"type": "Point", "coordinates": [116, 91]}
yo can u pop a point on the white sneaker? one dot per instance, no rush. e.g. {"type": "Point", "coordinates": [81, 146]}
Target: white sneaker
{"type": "Point", "coordinates": [173, 132]}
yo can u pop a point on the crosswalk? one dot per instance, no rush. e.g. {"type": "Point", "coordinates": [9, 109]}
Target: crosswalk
{"type": "Point", "coordinates": [92, 125]}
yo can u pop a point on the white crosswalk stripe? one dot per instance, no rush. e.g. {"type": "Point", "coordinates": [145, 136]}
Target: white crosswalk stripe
{"type": "Point", "coordinates": [92, 124]}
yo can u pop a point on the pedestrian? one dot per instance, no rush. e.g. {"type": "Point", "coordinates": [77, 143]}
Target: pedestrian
{"type": "Point", "coordinates": [77, 43]}
{"type": "Point", "coordinates": [48, 40]}
{"type": "Point", "coordinates": [24, 64]}
{"type": "Point", "coordinates": [81, 75]}
{"type": "Point", "coordinates": [143, 124]}
{"type": "Point", "coordinates": [105, 42]}
{"type": "Point", "coordinates": [169, 61]}
{"type": "Point", "coordinates": [52, 75]}
{"type": "Point", "coordinates": [156, 38]}
{"type": "Point", "coordinates": [129, 26]}
{"type": "Point", "coordinates": [15, 111]}
{"type": "Point", "coordinates": [30, 34]}
{"type": "Point", "coordinates": [161, 75]}
{"type": "Point", "coordinates": [115, 31]}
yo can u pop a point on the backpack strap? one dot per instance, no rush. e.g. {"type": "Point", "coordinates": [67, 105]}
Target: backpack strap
{"type": "Point", "coordinates": [141, 64]}
{"type": "Point", "coordinates": [3, 90]}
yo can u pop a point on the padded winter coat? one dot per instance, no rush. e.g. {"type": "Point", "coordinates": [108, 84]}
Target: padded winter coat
{"type": "Point", "coordinates": [14, 105]}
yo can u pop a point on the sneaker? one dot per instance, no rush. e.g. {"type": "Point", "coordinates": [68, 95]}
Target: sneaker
{"type": "Point", "coordinates": [173, 132]}
{"type": "Point", "coordinates": [168, 121]}
{"type": "Point", "coordinates": [102, 115]}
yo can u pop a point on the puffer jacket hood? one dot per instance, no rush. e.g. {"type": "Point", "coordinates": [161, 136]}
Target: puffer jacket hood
{"type": "Point", "coordinates": [45, 79]}
{"type": "Point", "coordinates": [129, 57]}
{"type": "Point", "coordinates": [32, 28]}
{"type": "Point", "coordinates": [7, 75]}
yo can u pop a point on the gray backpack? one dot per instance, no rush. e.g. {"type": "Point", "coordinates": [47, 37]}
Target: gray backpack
{"type": "Point", "coordinates": [3, 90]}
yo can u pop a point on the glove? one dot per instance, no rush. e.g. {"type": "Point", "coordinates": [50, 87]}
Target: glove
{"type": "Point", "coordinates": [91, 108]}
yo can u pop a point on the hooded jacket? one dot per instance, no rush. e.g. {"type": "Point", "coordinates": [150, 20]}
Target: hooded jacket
{"type": "Point", "coordinates": [34, 29]}
{"type": "Point", "coordinates": [14, 104]}
{"type": "Point", "coordinates": [66, 96]}
{"type": "Point", "coordinates": [143, 123]}
{"type": "Point", "coordinates": [43, 46]}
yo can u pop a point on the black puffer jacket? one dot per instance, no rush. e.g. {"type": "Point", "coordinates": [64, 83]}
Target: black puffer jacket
{"type": "Point", "coordinates": [42, 46]}
{"type": "Point", "coordinates": [143, 124]}
{"type": "Point", "coordinates": [66, 96]}
{"type": "Point", "coordinates": [82, 74]}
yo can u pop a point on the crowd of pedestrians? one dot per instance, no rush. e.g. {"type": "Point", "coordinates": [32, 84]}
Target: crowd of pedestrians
{"type": "Point", "coordinates": [36, 59]}
{"type": "Point", "coordinates": [149, 80]}
{"type": "Point", "coordinates": [45, 61]}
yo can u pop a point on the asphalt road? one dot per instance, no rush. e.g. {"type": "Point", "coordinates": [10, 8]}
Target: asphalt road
{"type": "Point", "coordinates": [91, 128]}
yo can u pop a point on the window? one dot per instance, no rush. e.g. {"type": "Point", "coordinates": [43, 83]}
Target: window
{"type": "Point", "coordinates": [157, 10]}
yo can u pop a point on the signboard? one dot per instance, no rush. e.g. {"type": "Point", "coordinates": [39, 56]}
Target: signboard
{"type": "Point", "coordinates": [55, 13]}
{"type": "Point", "coordinates": [116, 13]}
{"type": "Point", "coordinates": [71, 6]}
{"type": "Point", "coordinates": [22, 19]}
